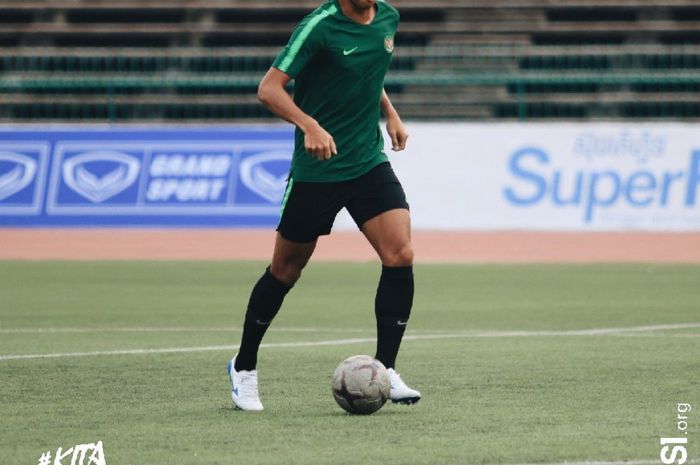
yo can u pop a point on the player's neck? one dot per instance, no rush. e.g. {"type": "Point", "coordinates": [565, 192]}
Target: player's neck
{"type": "Point", "coordinates": [358, 14]}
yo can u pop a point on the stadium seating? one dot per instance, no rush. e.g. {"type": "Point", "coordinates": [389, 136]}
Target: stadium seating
{"type": "Point", "coordinates": [179, 60]}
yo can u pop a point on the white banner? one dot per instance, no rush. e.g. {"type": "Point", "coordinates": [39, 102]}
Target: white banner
{"type": "Point", "coordinates": [576, 177]}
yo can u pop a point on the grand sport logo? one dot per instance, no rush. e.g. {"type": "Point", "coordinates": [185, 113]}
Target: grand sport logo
{"type": "Point", "coordinates": [261, 174]}
{"type": "Point", "coordinates": [100, 175]}
{"type": "Point", "coordinates": [169, 179]}
{"type": "Point", "coordinates": [16, 173]}
{"type": "Point", "coordinates": [193, 176]}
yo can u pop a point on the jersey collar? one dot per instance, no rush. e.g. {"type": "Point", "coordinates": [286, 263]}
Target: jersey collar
{"type": "Point", "coordinates": [378, 4]}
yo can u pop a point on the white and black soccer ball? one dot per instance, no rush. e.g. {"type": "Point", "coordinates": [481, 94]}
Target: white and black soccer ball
{"type": "Point", "coordinates": [361, 384]}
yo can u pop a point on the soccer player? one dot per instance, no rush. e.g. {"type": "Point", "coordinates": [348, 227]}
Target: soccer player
{"type": "Point", "coordinates": [338, 56]}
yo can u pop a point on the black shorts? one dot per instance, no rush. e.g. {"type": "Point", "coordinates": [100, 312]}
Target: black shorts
{"type": "Point", "coordinates": [311, 207]}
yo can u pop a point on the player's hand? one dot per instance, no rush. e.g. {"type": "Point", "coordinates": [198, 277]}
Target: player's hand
{"type": "Point", "coordinates": [319, 143]}
{"type": "Point", "coordinates": [398, 133]}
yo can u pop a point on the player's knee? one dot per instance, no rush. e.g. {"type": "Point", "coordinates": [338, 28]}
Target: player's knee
{"type": "Point", "coordinates": [399, 256]}
{"type": "Point", "coordinates": [288, 272]}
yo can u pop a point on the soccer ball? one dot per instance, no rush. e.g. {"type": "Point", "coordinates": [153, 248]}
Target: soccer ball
{"type": "Point", "coordinates": [360, 385]}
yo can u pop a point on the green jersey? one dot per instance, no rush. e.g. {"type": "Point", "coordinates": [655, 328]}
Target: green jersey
{"type": "Point", "coordinates": [339, 67]}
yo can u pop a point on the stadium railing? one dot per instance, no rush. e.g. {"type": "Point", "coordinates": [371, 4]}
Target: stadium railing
{"type": "Point", "coordinates": [436, 82]}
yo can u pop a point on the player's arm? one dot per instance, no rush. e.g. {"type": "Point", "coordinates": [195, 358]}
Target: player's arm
{"type": "Point", "coordinates": [272, 94]}
{"type": "Point", "coordinates": [394, 126]}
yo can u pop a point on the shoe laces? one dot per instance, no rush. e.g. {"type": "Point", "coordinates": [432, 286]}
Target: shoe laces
{"type": "Point", "coordinates": [249, 381]}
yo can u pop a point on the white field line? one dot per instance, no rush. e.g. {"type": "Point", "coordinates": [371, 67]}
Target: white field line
{"type": "Point", "coordinates": [574, 332]}
{"type": "Point", "coordinates": [618, 462]}
{"type": "Point", "coordinates": [338, 342]}
{"type": "Point", "coordinates": [657, 335]}
{"type": "Point", "coordinates": [173, 350]}
{"type": "Point", "coordinates": [174, 329]}
{"type": "Point", "coordinates": [475, 333]}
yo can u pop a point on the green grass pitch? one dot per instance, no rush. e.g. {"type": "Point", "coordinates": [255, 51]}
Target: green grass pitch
{"type": "Point", "coordinates": [541, 395]}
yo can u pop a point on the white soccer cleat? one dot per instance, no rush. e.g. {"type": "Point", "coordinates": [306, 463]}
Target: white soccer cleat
{"type": "Point", "coordinates": [244, 388]}
{"type": "Point", "coordinates": [400, 393]}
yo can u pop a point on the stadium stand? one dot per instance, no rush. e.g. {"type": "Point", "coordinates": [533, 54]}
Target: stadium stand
{"type": "Point", "coordinates": [181, 60]}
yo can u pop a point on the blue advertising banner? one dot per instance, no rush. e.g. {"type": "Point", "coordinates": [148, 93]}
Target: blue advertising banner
{"type": "Point", "coordinates": [194, 177]}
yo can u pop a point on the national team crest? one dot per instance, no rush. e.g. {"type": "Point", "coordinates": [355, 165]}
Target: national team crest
{"type": "Point", "coordinates": [389, 43]}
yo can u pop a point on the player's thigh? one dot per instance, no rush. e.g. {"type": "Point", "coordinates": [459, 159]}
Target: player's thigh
{"type": "Point", "coordinates": [390, 235]}
{"type": "Point", "coordinates": [380, 210]}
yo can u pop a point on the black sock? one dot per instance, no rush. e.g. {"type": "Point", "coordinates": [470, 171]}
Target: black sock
{"type": "Point", "coordinates": [265, 301]}
{"type": "Point", "coordinates": [392, 307]}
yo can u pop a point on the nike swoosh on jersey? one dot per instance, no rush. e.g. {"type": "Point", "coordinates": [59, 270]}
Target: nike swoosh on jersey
{"type": "Point", "coordinates": [348, 52]}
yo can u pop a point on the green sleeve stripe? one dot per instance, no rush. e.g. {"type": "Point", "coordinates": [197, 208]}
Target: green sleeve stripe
{"type": "Point", "coordinates": [303, 35]}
